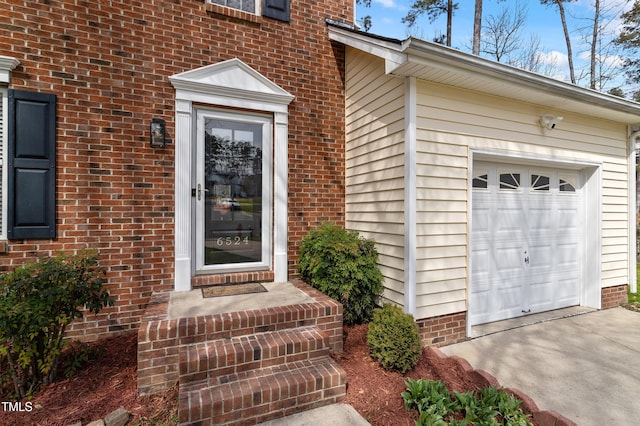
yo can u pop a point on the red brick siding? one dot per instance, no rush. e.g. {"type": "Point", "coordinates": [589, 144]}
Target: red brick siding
{"type": "Point", "coordinates": [443, 330]}
{"type": "Point", "coordinates": [109, 63]}
{"type": "Point", "coordinates": [614, 296]}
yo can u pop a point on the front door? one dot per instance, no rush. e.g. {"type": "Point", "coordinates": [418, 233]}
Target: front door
{"type": "Point", "coordinates": [232, 192]}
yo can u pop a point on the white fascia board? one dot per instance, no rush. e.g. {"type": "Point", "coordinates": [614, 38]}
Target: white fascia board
{"type": "Point", "coordinates": [387, 50]}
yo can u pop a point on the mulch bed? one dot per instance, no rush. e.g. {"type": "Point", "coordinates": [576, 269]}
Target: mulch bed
{"type": "Point", "coordinates": [110, 382]}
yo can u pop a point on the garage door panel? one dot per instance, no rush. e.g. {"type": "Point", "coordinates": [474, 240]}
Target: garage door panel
{"type": "Point", "coordinates": [480, 220]}
{"type": "Point", "coordinates": [567, 219]}
{"type": "Point", "coordinates": [566, 292]}
{"type": "Point", "coordinates": [481, 261]}
{"type": "Point", "coordinates": [508, 262]}
{"type": "Point", "coordinates": [566, 256]}
{"type": "Point", "coordinates": [509, 304]}
{"type": "Point", "coordinates": [539, 295]}
{"type": "Point", "coordinates": [508, 221]}
{"type": "Point", "coordinates": [524, 214]}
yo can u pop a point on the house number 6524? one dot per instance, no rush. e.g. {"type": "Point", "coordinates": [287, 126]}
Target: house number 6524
{"type": "Point", "coordinates": [235, 241]}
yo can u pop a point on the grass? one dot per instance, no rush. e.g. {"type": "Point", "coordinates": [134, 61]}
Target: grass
{"type": "Point", "coordinates": [635, 297]}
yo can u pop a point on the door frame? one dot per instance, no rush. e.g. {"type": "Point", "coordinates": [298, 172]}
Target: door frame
{"type": "Point", "coordinates": [265, 122]}
{"type": "Point", "coordinates": [234, 85]}
{"type": "Point", "coordinates": [590, 174]}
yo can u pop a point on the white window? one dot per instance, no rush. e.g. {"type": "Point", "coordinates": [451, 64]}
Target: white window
{"type": "Point", "coordinates": [249, 6]}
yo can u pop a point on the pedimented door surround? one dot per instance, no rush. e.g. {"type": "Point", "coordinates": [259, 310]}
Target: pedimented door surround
{"type": "Point", "coordinates": [228, 84]}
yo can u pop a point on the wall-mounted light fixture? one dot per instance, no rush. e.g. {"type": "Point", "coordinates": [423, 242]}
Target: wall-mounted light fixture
{"type": "Point", "coordinates": [550, 121]}
{"type": "Point", "coordinates": [158, 133]}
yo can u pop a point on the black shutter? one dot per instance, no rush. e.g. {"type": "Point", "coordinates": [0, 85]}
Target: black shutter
{"type": "Point", "coordinates": [276, 9]}
{"type": "Point", "coordinates": [31, 203]}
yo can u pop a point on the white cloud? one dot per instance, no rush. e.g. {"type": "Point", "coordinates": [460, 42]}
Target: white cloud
{"type": "Point", "coordinates": [609, 61]}
{"type": "Point", "coordinates": [387, 3]}
{"type": "Point", "coordinates": [554, 57]}
{"type": "Point", "coordinates": [557, 62]}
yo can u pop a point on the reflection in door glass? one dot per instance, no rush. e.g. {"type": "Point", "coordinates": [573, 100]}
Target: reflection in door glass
{"type": "Point", "coordinates": [233, 194]}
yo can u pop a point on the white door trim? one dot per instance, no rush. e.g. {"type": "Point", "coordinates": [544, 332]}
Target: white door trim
{"type": "Point", "coordinates": [227, 84]}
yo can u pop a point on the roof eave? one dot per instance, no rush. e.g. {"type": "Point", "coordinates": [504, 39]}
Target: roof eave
{"type": "Point", "coordinates": [412, 57]}
{"type": "Point", "coordinates": [418, 50]}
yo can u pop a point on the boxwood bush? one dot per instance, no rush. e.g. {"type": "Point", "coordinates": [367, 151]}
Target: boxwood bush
{"type": "Point", "coordinates": [342, 265]}
{"type": "Point", "coordinates": [37, 303]}
{"type": "Point", "coordinates": [394, 339]}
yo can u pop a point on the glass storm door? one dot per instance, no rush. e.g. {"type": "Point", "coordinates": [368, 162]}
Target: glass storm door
{"type": "Point", "coordinates": [232, 192]}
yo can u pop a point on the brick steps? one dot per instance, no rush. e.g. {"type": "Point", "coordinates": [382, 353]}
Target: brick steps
{"type": "Point", "coordinates": [244, 367]}
{"type": "Point", "coordinates": [161, 338]}
{"type": "Point", "coordinates": [258, 395]}
{"type": "Point", "coordinates": [205, 360]}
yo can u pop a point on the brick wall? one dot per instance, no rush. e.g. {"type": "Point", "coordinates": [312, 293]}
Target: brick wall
{"type": "Point", "coordinates": [109, 63]}
{"type": "Point", "coordinates": [614, 296]}
{"type": "Point", "coordinates": [443, 330]}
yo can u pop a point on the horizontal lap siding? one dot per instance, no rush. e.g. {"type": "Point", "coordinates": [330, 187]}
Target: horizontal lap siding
{"type": "Point", "coordinates": [375, 163]}
{"type": "Point", "coordinates": [450, 122]}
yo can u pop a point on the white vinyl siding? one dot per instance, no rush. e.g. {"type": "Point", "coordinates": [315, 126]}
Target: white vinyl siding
{"type": "Point", "coordinates": [452, 121]}
{"type": "Point", "coordinates": [375, 163]}
{"type": "Point", "coordinates": [451, 124]}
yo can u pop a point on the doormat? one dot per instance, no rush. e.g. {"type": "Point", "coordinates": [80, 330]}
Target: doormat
{"type": "Point", "coordinates": [232, 290]}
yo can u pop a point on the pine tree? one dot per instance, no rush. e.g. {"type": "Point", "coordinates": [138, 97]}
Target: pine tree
{"type": "Point", "coordinates": [629, 39]}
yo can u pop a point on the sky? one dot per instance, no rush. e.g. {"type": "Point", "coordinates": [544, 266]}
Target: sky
{"type": "Point", "coordinates": [541, 21]}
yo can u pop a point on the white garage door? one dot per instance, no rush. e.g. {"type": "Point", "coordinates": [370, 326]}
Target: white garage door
{"type": "Point", "coordinates": [526, 226]}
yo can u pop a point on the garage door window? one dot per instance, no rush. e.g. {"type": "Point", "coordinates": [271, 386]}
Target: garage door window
{"type": "Point", "coordinates": [510, 181]}
{"type": "Point", "coordinates": [480, 181]}
{"type": "Point", "coordinates": [540, 183]}
{"type": "Point", "coordinates": [566, 185]}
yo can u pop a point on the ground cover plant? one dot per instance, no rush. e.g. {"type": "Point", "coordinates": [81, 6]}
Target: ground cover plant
{"type": "Point", "coordinates": [342, 265]}
{"type": "Point", "coordinates": [37, 303]}
{"type": "Point", "coordinates": [486, 407]}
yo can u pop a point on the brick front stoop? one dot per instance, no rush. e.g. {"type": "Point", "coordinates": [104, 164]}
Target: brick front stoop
{"type": "Point", "coordinates": [246, 367]}
{"type": "Point", "coordinates": [543, 418]}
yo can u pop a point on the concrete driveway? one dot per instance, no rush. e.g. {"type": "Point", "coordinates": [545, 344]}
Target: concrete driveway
{"type": "Point", "coordinates": [586, 367]}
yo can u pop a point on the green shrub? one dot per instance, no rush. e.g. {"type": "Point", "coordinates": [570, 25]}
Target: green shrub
{"type": "Point", "coordinates": [342, 265]}
{"type": "Point", "coordinates": [394, 339]}
{"type": "Point", "coordinates": [37, 302]}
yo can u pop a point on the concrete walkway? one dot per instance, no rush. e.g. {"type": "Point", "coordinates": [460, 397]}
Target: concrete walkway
{"type": "Point", "coordinates": [585, 367]}
{"type": "Point", "coordinates": [334, 415]}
